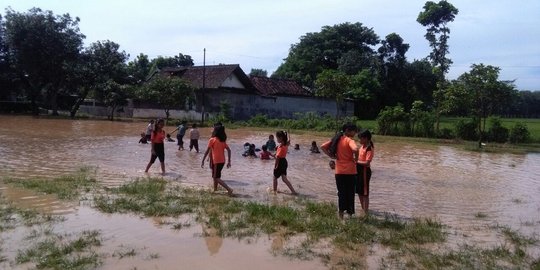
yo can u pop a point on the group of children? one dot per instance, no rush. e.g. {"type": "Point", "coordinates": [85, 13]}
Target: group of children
{"type": "Point", "coordinates": [194, 135]}
{"type": "Point", "coordinates": [351, 165]}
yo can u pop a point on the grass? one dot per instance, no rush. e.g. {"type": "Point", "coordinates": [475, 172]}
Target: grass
{"type": "Point", "coordinates": [12, 217]}
{"type": "Point", "coordinates": [58, 253]}
{"type": "Point", "coordinates": [65, 187]}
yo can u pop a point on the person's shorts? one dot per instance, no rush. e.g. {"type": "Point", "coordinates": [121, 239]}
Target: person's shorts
{"type": "Point", "coordinates": [160, 153]}
{"type": "Point", "coordinates": [364, 176]}
{"type": "Point", "coordinates": [281, 168]}
{"type": "Point", "coordinates": [148, 137]}
{"type": "Point", "coordinates": [179, 139]}
{"type": "Point", "coordinates": [216, 170]}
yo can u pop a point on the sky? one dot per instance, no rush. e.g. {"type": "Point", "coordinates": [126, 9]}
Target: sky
{"type": "Point", "coordinates": [259, 33]}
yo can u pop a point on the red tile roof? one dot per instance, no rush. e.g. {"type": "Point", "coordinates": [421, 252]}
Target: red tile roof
{"type": "Point", "coordinates": [215, 75]}
{"type": "Point", "coordinates": [276, 87]}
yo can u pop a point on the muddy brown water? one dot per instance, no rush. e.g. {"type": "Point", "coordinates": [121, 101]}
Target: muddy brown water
{"type": "Point", "coordinates": [410, 179]}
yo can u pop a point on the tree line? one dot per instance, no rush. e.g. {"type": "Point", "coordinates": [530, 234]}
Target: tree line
{"type": "Point", "coordinates": [44, 62]}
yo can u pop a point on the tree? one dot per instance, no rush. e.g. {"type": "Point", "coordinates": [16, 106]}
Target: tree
{"type": "Point", "coordinates": [393, 72]}
{"type": "Point", "coordinates": [139, 68]}
{"type": "Point", "coordinates": [167, 92]}
{"type": "Point", "coordinates": [100, 65]}
{"type": "Point", "coordinates": [43, 47]}
{"type": "Point", "coordinates": [325, 50]}
{"type": "Point", "coordinates": [258, 72]}
{"type": "Point", "coordinates": [487, 93]}
{"type": "Point", "coordinates": [115, 95]}
{"type": "Point", "coordinates": [435, 17]}
{"type": "Point", "coordinates": [179, 60]}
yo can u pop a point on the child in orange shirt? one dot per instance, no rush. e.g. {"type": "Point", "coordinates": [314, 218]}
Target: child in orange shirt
{"type": "Point", "coordinates": [158, 150]}
{"type": "Point", "coordinates": [217, 146]}
{"type": "Point", "coordinates": [343, 148]}
{"type": "Point", "coordinates": [363, 167]}
{"type": "Point", "coordinates": [280, 168]}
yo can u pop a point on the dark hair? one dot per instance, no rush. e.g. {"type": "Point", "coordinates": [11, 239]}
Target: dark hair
{"type": "Point", "coordinates": [284, 136]}
{"type": "Point", "coordinates": [156, 124]}
{"type": "Point", "coordinates": [218, 124]}
{"type": "Point", "coordinates": [194, 125]}
{"type": "Point", "coordinates": [314, 143]}
{"type": "Point", "coordinates": [335, 140]}
{"type": "Point", "coordinates": [264, 147]}
{"type": "Point", "coordinates": [219, 132]}
{"type": "Point", "coordinates": [366, 134]}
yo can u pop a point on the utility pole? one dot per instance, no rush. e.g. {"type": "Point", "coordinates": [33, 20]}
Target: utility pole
{"type": "Point", "coordinates": [203, 83]}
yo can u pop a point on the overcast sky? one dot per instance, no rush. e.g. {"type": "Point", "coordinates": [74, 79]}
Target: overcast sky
{"type": "Point", "coordinates": [258, 33]}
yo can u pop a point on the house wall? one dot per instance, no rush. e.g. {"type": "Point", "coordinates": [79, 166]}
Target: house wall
{"type": "Point", "coordinates": [233, 82]}
{"type": "Point", "coordinates": [245, 106]}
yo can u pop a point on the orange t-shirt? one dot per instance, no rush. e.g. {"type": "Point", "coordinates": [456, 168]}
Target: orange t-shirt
{"type": "Point", "coordinates": [157, 137]}
{"type": "Point", "coordinates": [281, 151]}
{"type": "Point", "coordinates": [366, 155]}
{"type": "Point", "coordinates": [345, 163]}
{"type": "Point", "coordinates": [218, 150]}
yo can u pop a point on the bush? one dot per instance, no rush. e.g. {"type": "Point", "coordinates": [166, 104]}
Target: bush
{"type": "Point", "coordinates": [393, 121]}
{"type": "Point", "coordinates": [496, 132]}
{"type": "Point", "coordinates": [446, 133]}
{"type": "Point", "coordinates": [519, 133]}
{"type": "Point", "coordinates": [466, 130]}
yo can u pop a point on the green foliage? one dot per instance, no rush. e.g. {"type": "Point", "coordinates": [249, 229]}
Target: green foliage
{"type": "Point", "coordinates": [496, 132]}
{"type": "Point", "coordinates": [393, 121]}
{"type": "Point", "coordinates": [258, 72]}
{"type": "Point", "coordinates": [180, 60]}
{"type": "Point", "coordinates": [466, 130]}
{"type": "Point", "coordinates": [328, 49]}
{"type": "Point", "coordinates": [168, 92]}
{"type": "Point", "coordinates": [307, 121]}
{"type": "Point", "coordinates": [519, 133]}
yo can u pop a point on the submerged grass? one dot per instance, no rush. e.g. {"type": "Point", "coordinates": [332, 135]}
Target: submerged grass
{"type": "Point", "coordinates": [59, 253]}
{"type": "Point", "coordinates": [65, 187]}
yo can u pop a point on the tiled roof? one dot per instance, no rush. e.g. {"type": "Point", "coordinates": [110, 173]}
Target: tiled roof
{"type": "Point", "coordinates": [276, 87]}
{"type": "Point", "coordinates": [215, 75]}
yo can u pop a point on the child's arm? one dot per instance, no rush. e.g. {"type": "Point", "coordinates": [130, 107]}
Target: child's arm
{"type": "Point", "coordinates": [229, 156]}
{"type": "Point", "coordinates": [205, 155]}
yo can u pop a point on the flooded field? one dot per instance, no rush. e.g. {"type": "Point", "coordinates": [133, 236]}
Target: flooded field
{"type": "Point", "coordinates": [446, 183]}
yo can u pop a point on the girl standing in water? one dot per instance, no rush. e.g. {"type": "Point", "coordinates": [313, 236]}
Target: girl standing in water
{"type": "Point", "coordinates": [280, 167]}
{"type": "Point", "coordinates": [216, 147]}
{"type": "Point", "coordinates": [343, 148]}
{"type": "Point", "coordinates": [363, 167]}
{"type": "Point", "coordinates": [158, 150]}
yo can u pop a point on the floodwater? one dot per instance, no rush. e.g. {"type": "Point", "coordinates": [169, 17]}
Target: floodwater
{"type": "Point", "coordinates": [410, 179]}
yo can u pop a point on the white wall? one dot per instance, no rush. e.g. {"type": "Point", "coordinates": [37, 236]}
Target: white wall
{"type": "Point", "coordinates": [233, 82]}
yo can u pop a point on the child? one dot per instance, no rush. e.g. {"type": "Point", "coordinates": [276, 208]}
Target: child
{"type": "Point", "coordinates": [149, 130]}
{"type": "Point", "coordinates": [217, 146]}
{"type": "Point", "coordinates": [143, 139]}
{"type": "Point", "coordinates": [343, 149]}
{"type": "Point", "coordinates": [194, 136]}
{"type": "Point", "coordinates": [158, 149]}
{"type": "Point", "coordinates": [296, 147]}
{"type": "Point", "coordinates": [169, 138]}
{"type": "Point", "coordinates": [280, 167]}
{"type": "Point", "coordinates": [271, 144]}
{"type": "Point", "coordinates": [265, 154]}
{"type": "Point", "coordinates": [180, 135]}
{"type": "Point", "coordinates": [363, 168]}
{"type": "Point", "coordinates": [314, 149]}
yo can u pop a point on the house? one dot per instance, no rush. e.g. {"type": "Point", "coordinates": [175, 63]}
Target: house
{"type": "Point", "coordinates": [247, 97]}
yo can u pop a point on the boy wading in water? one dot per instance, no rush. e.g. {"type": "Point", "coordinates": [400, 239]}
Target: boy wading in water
{"type": "Point", "coordinates": [367, 151]}
{"type": "Point", "coordinates": [158, 149]}
{"type": "Point", "coordinates": [280, 168]}
{"type": "Point", "coordinates": [343, 148]}
{"type": "Point", "coordinates": [216, 148]}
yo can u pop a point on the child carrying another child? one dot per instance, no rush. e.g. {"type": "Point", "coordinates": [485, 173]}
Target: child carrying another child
{"type": "Point", "coordinates": [280, 168]}
{"type": "Point", "coordinates": [216, 147]}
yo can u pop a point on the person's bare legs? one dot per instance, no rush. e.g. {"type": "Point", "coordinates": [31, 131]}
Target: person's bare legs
{"type": "Point", "coordinates": [215, 184]}
{"type": "Point", "coordinates": [223, 184]}
{"type": "Point", "coordinates": [286, 181]}
{"type": "Point", "coordinates": [148, 167]}
{"type": "Point", "coordinates": [364, 202]}
{"type": "Point", "coordinates": [275, 185]}
{"type": "Point", "coordinates": [162, 167]}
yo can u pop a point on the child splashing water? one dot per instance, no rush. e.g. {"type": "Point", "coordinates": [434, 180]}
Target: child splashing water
{"type": "Point", "coordinates": [280, 168]}
{"type": "Point", "coordinates": [216, 148]}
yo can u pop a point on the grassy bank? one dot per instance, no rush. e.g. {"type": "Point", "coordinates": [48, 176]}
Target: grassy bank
{"type": "Point", "coordinates": [312, 228]}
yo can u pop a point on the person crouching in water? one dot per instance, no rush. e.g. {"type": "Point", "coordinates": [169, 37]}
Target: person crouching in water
{"type": "Point", "coordinates": [265, 154]}
{"type": "Point", "coordinates": [366, 153]}
{"type": "Point", "coordinates": [217, 146]}
{"type": "Point", "coordinates": [343, 148]}
{"type": "Point", "coordinates": [158, 150]}
{"type": "Point", "coordinates": [280, 167]}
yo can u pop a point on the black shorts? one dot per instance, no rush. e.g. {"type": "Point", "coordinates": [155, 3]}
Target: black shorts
{"type": "Point", "coordinates": [180, 139]}
{"type": "Point", "coordinates": [160, 153]}
{"type": "Point", "coordinates": [281, 167]}
{"type": "Point", "coordinates": [216, 170]}
{"type": "Point", "coordinates": [148, 137]}
{"type": "Point", "coordinates": [362, 181]}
